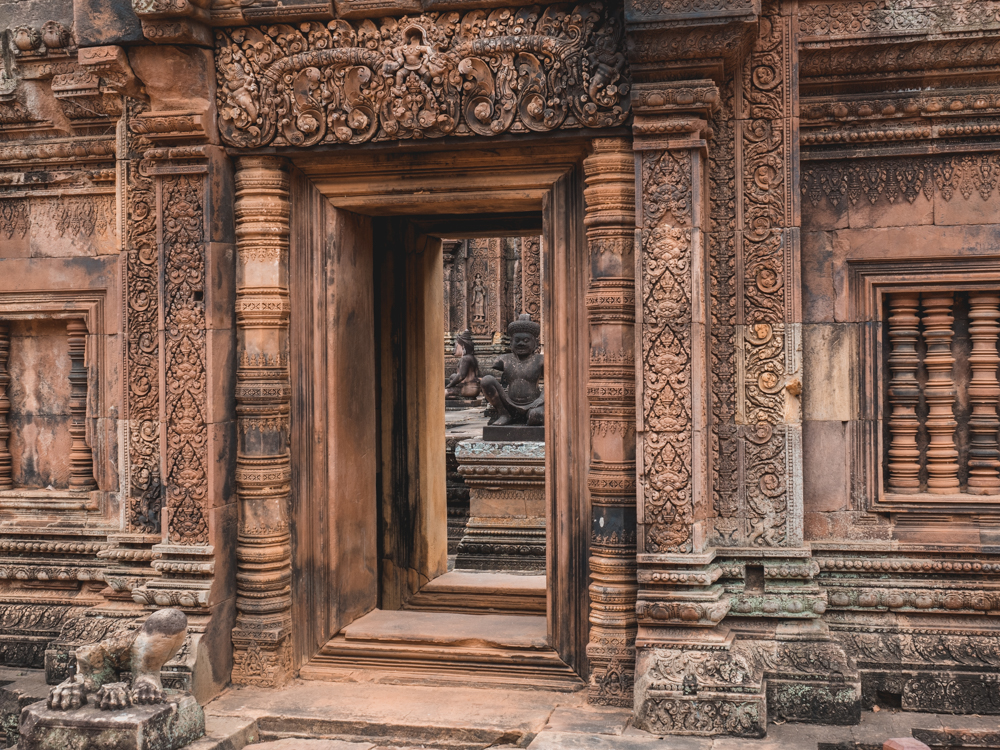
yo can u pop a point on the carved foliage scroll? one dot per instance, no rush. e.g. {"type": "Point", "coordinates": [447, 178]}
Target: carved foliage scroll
{"type": "Point", "coordinates": [768, 341]}
{"type": "Point", "coordinates": [142, 352]}
{"type": "Point", "coordinates": [665, 244]}
{"type": "Point", "coordinates": [185, 351]}
{"type": "Point", "coordinates": [481, 73]}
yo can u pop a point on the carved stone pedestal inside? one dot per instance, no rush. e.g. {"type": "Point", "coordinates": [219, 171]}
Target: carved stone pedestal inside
{"type": "Point", "coordinates": [506, 529]}
{"type": "Point", "coordinates": [166, 726]}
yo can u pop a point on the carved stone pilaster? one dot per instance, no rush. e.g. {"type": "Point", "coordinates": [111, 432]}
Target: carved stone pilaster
{"type": "Point", "coordinates": [610, 222]}
{"type": "Point", "coordinates": [262, 637]}
{"type": "Point", "coordinates": [677, 573]}
{"type": "Point", "coordinates": [768, 336]}
{"type": "Point", "coordinates": [195, 351]}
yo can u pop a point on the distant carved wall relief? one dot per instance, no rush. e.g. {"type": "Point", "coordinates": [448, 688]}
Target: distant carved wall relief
{"type": "Point", "coordinates": [481, 73]}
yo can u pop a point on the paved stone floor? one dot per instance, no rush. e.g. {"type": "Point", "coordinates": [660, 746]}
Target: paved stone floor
{"type": "Point", "coordinates": [362, 716]}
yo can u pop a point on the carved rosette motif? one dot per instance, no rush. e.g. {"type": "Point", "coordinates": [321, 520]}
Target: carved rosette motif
{"type": "Point", "coordinates": [142, 353]}
{"type": "Point", "coordinates": [263, 468]}
{"type": "Point", "coordinates": [610, 222]}
{"type": "Point", "coordinates": [481, 73]}
{"type": "Point", "coordinates": [768, 340]}
{"type": "Point", "coordinates": [531, 277]}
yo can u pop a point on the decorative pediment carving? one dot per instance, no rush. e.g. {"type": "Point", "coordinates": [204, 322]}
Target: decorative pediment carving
{"type": "Point", "coordinates": [481, 73]}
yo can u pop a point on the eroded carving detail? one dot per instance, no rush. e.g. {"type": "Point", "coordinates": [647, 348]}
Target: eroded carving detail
{"type": "Point", "coordinates": [482, 73]}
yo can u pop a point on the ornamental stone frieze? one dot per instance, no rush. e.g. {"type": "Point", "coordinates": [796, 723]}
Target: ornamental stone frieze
{"type": "Point", "coordinates": [482, 73]}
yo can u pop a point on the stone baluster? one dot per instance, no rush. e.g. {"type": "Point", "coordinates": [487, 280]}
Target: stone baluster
{"type": "Point", "coordinates": [263, 471]}
{"type": "Point", "coordinates": [6, 465]}
{"type": "Point", "coordinates": [904, 393]}
{"type": "Point", "coordinates": [942, 454]}
{"type": "Point", "coordinates": [81, 460]}
{"type": "Point", "coordinates": [610, 222]}
{"type": "Point", "coordinates": [984, 390]}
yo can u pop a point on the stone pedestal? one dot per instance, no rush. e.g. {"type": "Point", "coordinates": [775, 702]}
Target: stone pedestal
{"type": "Point", "coordinates": [166, 726]}
{"type": "Point", "coordinates": [506, 529]}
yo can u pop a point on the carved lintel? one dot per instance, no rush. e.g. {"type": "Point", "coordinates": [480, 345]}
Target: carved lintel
{"type": "Point", "coordinates": [422, 78]}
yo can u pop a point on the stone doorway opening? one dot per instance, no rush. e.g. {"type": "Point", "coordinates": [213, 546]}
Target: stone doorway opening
{"type": "Point", "coordinates": [369, 479]}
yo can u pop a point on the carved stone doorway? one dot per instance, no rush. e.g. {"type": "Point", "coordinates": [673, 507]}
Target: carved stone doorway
{"type": "Point", "coordinates": [370, 215]}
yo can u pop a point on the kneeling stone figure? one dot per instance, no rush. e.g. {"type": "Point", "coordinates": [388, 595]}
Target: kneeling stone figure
{"type": "Point", "coordinates": [99, 666]}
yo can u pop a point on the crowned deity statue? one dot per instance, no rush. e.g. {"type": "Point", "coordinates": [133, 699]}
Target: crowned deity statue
{"type": "Point", "coordinates": [516, 397]}
{"type": "Point", "coordinates": [464, 383]}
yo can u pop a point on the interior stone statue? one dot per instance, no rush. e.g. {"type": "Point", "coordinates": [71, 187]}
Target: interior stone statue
{"type": "Point", "coordinates": [464, 383]}
{"type": "Point", "coordinates": [99, 666]}
{"type": "Point", "coordinates": [516, 396]}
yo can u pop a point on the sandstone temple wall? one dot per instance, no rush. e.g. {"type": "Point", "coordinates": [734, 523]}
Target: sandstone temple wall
{"type": "Point", "coordinates": [774, 243]}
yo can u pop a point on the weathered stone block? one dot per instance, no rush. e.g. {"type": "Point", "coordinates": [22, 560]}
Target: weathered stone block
{"type": "Point", "coordinates": [166, 726]}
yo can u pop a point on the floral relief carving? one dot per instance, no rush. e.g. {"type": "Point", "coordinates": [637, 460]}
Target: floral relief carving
{"type": "Point", "coordinates": [142, 352]}
{"type": "Point", "coordinates": [833, 19]}
{"type": "Point", "coordinates": [427, 76]}
{"type": "Point", "coordinates": [722, 279]}
{"type": "Point", "coordinates": [902, 178]}
{"type": "Point", "coordinates": [184, 319]}
{"type": "Point", "coordinates": [666, 349]}
{"type": "Point", "coordinates": [13, 217]}
{"type": "Point", "coordinates": [766, 485]}
{"type": "Point", "coordinates": [78, 215]}
{"type": "Point", "coordinates": [766, 343]}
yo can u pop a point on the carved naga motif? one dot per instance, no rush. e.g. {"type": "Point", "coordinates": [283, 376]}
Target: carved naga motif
{"type": "Point", "coordinates": [482, 73]}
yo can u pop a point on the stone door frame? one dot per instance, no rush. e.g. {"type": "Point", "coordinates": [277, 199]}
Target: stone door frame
{"type": "Point", "coordinates": [440, 186]}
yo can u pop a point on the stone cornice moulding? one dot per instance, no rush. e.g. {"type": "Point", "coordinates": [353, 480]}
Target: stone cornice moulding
{"type": "Point", "coordinates": [689, 39]}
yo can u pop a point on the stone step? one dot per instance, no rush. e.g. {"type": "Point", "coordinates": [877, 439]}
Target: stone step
{"type": "Point", "coordinates": [475, 592]}
{"type": "Point", "coordinates": [443, 648]}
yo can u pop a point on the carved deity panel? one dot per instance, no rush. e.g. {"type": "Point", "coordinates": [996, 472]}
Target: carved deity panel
{"type": "Point", "coordinates": [482, 73]}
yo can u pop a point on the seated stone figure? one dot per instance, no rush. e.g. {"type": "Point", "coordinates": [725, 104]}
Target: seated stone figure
{"type": "Point", "coordinates": [516, 396]}
{"type": "Point", "coordinates": [465, 382]}
{"type": "Point", "coordinates": [143, 652]}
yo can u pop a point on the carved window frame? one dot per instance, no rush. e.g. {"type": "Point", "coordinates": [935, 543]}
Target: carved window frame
{"type": "Point", "coordinates": [90, 306]}
{"type": "Point", "coordinates": [869, 283]}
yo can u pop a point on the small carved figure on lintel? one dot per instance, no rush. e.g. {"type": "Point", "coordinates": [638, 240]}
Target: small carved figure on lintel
{"type": "Point", "coordinates": [516, 397]}
{"type": "Point", "coordinates": [464, 383]}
